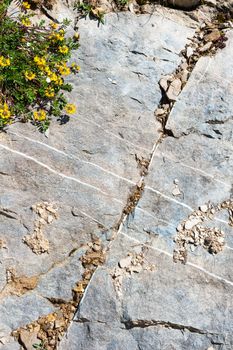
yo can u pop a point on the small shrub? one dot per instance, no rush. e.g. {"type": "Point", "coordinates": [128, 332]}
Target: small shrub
{"type": "Point", "coordinates": [33, 66]}
{"type": "Point", "coordinates": [85, 9]}
{"type": "Point", "coordinates": [122, 3]}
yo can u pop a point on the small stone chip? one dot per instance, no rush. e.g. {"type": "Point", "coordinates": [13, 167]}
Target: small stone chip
{"type": "Point", "coordinates": [213, 36]}
{"type": "Point", "coordinates": [204, 208]}
{"type": "Point", "coordinates": [189, 52]}
{"type": "Point", "coordinates": [206, 47]}
{"type": "Point", "coordinates": [174, 90]}
{"type": "Point", "coordinates": [176, 192]}
{"type": "Point", "coordinates": [191, 223]}
{"type": "Point", "coordinates": [125, 262]}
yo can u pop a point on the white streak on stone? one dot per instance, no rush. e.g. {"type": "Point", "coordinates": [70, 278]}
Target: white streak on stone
{"type": "Point", "coordinates": [169, 198]}
{"type": "Point", "coordinates": [73, 157]}
{"type": "Point", "coordinates": [91, 217]}
{"type": "Point", "coordinates": [188, 263]}
{"type": "Point", "coordinates": [213, 177]}
{"type": "Point", "coordinates": [56, 172]}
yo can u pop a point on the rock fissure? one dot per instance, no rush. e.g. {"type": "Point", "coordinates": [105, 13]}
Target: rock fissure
{"type": "Point", "coordinates": [130, 324]}
{"type": "Point", "coordinates": [8, 213]}
{"type": "Point", "coordinates": [213, 35]}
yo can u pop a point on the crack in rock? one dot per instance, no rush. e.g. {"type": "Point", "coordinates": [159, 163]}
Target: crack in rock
{"type": "Point", "coordinates": [130, 324]}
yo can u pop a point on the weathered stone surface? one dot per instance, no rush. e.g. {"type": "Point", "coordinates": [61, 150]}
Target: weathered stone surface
{"type": "Point", "coordinates": [205, 105]}
{"type": "Point", "coordinates": [88, 164]}
{"type": "Point", "coordinates": [155, 302]}
{"type": "Point", "coordinates": [25, 309]}
{"type": "Point", "coordinates": [11, 346]}
{"type": "Point", "coordinates": [163, 305]}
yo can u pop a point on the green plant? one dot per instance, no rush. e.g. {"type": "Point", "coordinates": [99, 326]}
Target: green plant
{"type": "Point", "coordinates": [86, 9]}
{"type": "Point", "coordinates": [39, 346]}
{"type": "Point", "coordinates": [33, 65]}
{"type": "Point", "coordinates": [122, 3]}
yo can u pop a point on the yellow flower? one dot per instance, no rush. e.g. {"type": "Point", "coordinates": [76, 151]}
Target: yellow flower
{"type": "Point", "coordinates": [63, 49]}
{"type": "Point", "coordinates": [40, 115]}
{"type": "Point", "coordinates": [53, 25]}
{"type": "Point", "coordinates": [7, 62]}
{"type": "Point", "coordinates": [49, 92]}
{"type": "Point", "coordinates": [29, 75]}
{"type": "Point", "coordinates": [26, 5]}
{"type": "Point", "coordinates": [57, 36]}
{"type": "Point", "coordinates": [4, 62]}
{"type": "Point", "coordinates": [4, 111]}
{"type": "Point", "coordinates": [26, 22]}
{"type": "Point", "coordinates": [40, 61]}
{"type": "Point", "coordinates": [53, 76]}
{"type": "Point", "coordinates": [70, 108]}
{"type": "Point", "coordinates": [63, 69]}
{"type": "Point", "coordinates": [5, 114]}
{"type": "Point", "coordinates": [75, 67]}
{"type": "Point", "coordinates": [59, 81]}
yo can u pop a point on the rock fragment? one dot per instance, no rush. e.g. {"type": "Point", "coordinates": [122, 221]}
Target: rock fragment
{"type": "Point", "coordinates": [174, 90]}
{"type": "Point", "coordinates": [206, 47]}
{"type": "Point", "coordinates": [29, 338]}
{"type": "Point", "coordinates": [46, 212]}
{"type": "Point", "coordinates": [204, 208]}
{"type": "Point", "coordinates": [125, 262]}
{"type": "Point", "coordinates": [213, 36]}
{"type": "Point", "coordinates": [189, 52]}
{"type": "Point", "coordinates": [191, 223]}
{"type": "Point", "coordinates": [164, 82]}
{"type": "Point", "coordinates": [176, 191]}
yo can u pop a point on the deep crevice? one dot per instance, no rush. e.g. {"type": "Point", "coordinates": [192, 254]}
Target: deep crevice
{"type": "Point", "coordinates": [166, 104]}
{"type": "Point", "coordinates": [130, 324]}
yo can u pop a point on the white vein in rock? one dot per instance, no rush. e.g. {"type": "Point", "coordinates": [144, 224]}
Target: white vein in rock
{"type": "Point", "coordinates": [56, 172]}
{"type": "Point", "coordinates": [73, 157]}
{"type": "Point", "coordinates": [188, 263]}
{"type": "Point", "coordinates": [169, 198]}
{"type": "Point", "coordinates": [213, 177]}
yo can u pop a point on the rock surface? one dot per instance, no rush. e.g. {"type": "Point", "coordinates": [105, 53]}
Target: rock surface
{"type": "Point", "coordinates": [148, 301]}
{"type": "Point", "coordinates": [88, 164]}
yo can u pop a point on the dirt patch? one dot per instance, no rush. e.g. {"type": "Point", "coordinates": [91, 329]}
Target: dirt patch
{"type": "Point", "coordinates": [47, 213]}
{"type": "Point", "coordinates": [133, 263]}
{"type": "Point", "coordinates": [18, 285]}
{"type": "Point", "coordinates": [48, 330]}
{"type": "Point", "coordinates": [133, 199]}
{"type": "Point", "coordinates": [192, 232]}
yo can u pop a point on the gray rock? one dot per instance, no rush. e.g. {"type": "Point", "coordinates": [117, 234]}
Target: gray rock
{"type": "Point", "coordinates": [58, 282]}
{"type": "Point", "coordinates": [167, 305]}
{"type": "Point", "coordinates": [177, 310]}
{"type": "Point", "coordinates": [87, 164]}
{"type": "Point", "coordinates": [207, 98]}
{"type": "Point", "coordinates": [174, 90]}
{"type": "Point", "coordinates": [25, 309]}
{"type": "Point", "coordinates": [11, 346]}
